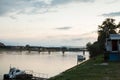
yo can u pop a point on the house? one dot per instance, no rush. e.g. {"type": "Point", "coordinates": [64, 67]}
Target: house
{"type": "Point", "coordinates": [113, 47]}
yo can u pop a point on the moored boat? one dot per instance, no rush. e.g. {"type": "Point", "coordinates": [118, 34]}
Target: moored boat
{"type": "Point", "coordinates": [17, 74]}
{"type": "Point", "coordinates": [80, 57]}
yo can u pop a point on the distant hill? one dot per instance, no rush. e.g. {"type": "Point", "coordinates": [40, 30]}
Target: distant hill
{"type": "Point", "coordinates": [2, 44]}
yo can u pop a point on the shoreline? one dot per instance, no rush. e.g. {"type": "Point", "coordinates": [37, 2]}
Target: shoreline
{"type": "Point", "coordinates": [62, 73]}
{"type": "Point", "coordinates": [93, 69]}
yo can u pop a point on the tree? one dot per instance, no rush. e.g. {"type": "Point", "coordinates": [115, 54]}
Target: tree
{"type": "Point", "coordinates": [27, 46]}
{"type": "Point", "coordinates": [88, 45]}
{"type": "Point", "coordinates": [2, 44]}
{"type": "Point", "coordinates": [108, 27]}
{"type": "Point", "coordinates": [93, 49]}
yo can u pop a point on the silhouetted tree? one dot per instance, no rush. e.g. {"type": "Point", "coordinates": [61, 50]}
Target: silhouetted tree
{"type": "Point", "coordinates": [2, 44]}
{"type": "Point", "coordinates": [27, 47]}
{"type": "Point", "coordinates": [108, 27]}
{"type": "Point", "coordinates": [93, 49]}
{"type": "Point", "coordinates": [88, 45]}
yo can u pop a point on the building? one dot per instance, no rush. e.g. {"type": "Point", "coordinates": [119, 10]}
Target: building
{"type": "Point", "coordinates": [113, 47]}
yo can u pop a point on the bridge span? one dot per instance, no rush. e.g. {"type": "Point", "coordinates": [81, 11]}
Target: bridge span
{"type": "Point", "coordinates": [45, 49]}
{"type": "Point", "coordinates": [56, 49]}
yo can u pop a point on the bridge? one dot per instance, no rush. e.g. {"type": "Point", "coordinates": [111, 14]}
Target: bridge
{"type": "Point", "coordinates": [46, 49]}
{"type": "Point", "coordinates": [56, 49]}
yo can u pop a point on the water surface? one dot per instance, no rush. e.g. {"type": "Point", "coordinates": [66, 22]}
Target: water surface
{"type": "Point", "coordinates": [51, 64]}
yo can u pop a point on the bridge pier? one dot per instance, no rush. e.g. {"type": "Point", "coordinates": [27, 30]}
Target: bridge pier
{"type": "Point", "coordinates": [63, 52]}
{"type": "Point", "coordinates": [39, 50]}
{"type": "Point", "coordinates": [49, 52]}
{"type": "Point", "coordinates": [29, 51]}
{"type": "Point", "coordinates": [83, 52]}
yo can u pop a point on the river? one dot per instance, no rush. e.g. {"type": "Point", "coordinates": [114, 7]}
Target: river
{"type": "Point", "coordinates": [50, 64]}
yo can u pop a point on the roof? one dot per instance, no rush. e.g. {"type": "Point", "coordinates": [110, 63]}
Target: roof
{"type": "Point", "coordinates": [114, 36]}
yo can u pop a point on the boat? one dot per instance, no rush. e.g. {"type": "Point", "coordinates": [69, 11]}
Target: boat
{"type": "Point", "coordinates": [17, 74]}
{"type": "Point", "coordinates": [80, 57]}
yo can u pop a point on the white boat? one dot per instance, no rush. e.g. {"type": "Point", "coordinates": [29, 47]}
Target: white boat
{"type": "Point", "coordinates": [80, 57]}
{"type": "Point", "coordinates": [15, 73]}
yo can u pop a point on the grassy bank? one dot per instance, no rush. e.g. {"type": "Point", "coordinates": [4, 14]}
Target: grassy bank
{"type": "Point", "coordinates": [92, 70]}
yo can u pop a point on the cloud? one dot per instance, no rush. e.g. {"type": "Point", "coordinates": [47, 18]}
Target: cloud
{"type": "Point", "coordinates": [91, 32]}
{"type": "Point", "coordinates": [13, 17]}
{"type": "Point", "coordinates": [31, 6]}
{"type": "Point", "coordinates": [77, 39]}
{"type": "Point", "coordinates": [59, 2]}
{"type": "Point", "coordinates": [112, 1]}
{"type": "Point", "coordinates": [89, 36]}
{"type": "Point", "coordinates": [112, 14]}
{"type": "Point", "coordinates": [64, 28]}
{"type": "Point", "coordinates": [22, 6]}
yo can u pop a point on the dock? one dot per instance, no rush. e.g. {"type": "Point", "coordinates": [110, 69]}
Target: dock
{"type": "Point", "coordinates": [37, 76]}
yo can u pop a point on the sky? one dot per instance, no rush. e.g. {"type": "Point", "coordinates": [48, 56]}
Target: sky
{"type": "Point", "coordinates": [54, 22]}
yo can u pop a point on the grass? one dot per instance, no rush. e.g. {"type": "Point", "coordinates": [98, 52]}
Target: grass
{"type": "Point", "coordinates": [92, 70]}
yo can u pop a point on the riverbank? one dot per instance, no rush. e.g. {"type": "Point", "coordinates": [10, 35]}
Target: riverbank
{"type": "Point", "coordinates": [92, 70]}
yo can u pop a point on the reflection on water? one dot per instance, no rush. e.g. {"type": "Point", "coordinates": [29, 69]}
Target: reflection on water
{"type": "Point", "coordinates": [51, 64]}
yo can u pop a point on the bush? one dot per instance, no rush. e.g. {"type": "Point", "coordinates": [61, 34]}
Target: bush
{"type": "Point", "coordinates": [93, 49]}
